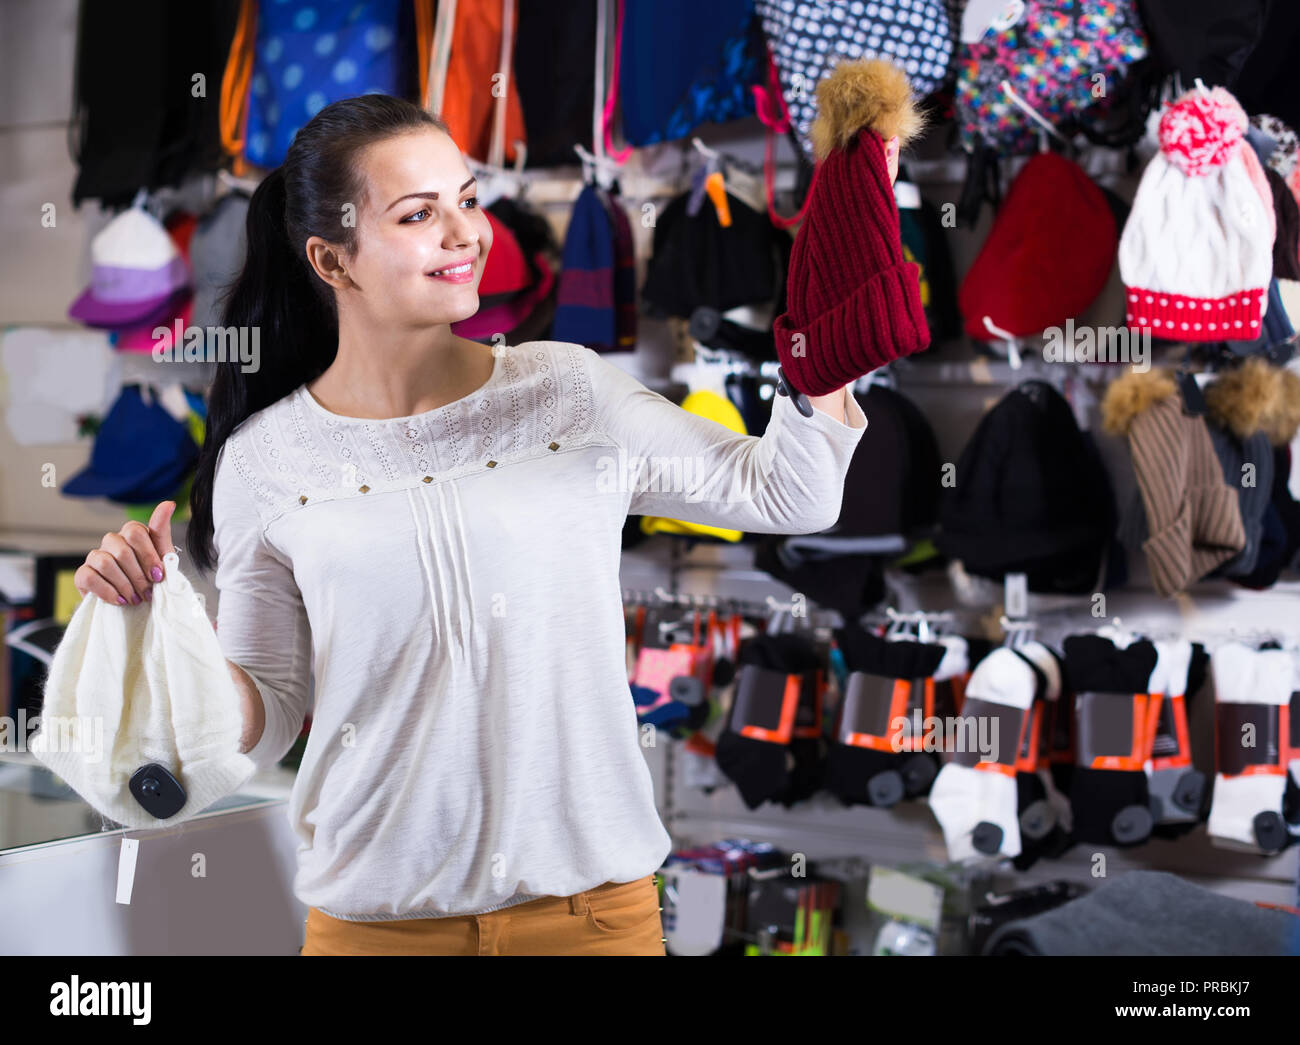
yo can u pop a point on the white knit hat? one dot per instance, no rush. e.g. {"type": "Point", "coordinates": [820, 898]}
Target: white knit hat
{"type": "Point", "coordinates": [135, 686]}
{"type": "Point", "coordinates": [1196, 255]}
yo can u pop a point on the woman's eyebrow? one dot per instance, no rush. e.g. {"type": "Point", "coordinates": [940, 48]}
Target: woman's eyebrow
{"type": "Point", "coordinates": [427, 195]}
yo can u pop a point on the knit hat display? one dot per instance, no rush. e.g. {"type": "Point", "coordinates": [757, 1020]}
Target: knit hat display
{"type": "Point", "coordinates": [1197, 251]}
{"type": "Point", "coordinates": [1192, 517]}
{"type": "Point", "coordinates": [697, 262]}
{"type": "Point", "coordinates": [138, 697]}
{"type": "Point", "coordinates": [1022, 281]}
{"type": "Point", "coordinates": [1031, 496]}
{"type": "Point", "coordinates": [853, 303]}
{"type": "Point", "coordinates": [1246, 408]}
{"type": "Point", "coordinates": [585, 313]}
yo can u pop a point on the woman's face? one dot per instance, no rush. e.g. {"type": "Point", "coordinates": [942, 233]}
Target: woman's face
{"type": "Point", "coordinates": [419, 227]}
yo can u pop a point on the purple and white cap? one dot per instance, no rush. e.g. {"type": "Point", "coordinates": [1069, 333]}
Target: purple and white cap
{"type": "Point", "coordinates": [135, 269]}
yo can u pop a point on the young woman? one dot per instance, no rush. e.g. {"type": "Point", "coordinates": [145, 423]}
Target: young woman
{"type": "Point", "coordinates": [431, 528]}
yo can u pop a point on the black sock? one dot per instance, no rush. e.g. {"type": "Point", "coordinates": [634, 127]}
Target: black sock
{"type": "Point", "coordinates": [762, 769]}
{"type": "Point", "coordinates": [863, 775]}
{"type": "Point", "coordinates": [1110, 806]}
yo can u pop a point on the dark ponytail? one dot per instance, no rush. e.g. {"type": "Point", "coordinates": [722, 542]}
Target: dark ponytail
{"type": "Point", "coordinates": [277, 292]}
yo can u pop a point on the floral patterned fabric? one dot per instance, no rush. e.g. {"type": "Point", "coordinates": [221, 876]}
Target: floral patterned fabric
{"type": "Point", "coordinates": [1060, 56]}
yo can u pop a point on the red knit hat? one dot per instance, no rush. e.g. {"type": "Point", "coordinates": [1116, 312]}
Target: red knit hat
{"type": "Point", "coordinates": [1048, 255]}
{"type": "Point", "coordinates": [852, 303]}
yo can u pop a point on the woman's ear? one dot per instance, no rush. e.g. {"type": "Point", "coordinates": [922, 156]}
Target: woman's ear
{"type": "Point", "coordinates": [327, 261]}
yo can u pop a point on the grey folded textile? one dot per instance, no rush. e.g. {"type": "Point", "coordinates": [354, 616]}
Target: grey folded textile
{"type": "Point", "coordinates": [1151, 913]}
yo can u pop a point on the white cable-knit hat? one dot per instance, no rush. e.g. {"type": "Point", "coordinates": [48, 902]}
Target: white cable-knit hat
{"type": "Point", "coordinates": [135, 688]}
{"type": "Point", "coordinates": [1196, 255]}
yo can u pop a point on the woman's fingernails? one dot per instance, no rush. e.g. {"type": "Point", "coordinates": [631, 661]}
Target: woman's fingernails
{"type": "Point", "coordinates": [121, 601]}
{"type": "Point", "coordinates": [156, 573]}
{"type": "Point", "coordinates": [148, 594]}
{"type": "Point", "coordinates": [135, 599]}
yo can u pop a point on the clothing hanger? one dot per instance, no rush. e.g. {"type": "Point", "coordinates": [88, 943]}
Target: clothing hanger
{"type": "Point", "coordinates": [1015, 632]}
{"type": "Point", "coordinates": [228, 182]}
{"type": "Point", "coordinates": [1115, 631]}
{"type": "Point", "coordinates": [713, 184]}
{"type": "Point", "coordinates": [596, 170]}
{"type": "Point", "coordinates": [1010, 340]}
{"type": "Point", "coordinates": [1033, 114]}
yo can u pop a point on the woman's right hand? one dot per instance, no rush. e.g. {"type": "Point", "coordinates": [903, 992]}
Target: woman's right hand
{"type": "Point", "coordinates": [127, 564]}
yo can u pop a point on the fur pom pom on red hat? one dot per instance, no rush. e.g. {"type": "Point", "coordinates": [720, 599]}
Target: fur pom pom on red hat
{"type": "Point", "coordinates": [852, 302]}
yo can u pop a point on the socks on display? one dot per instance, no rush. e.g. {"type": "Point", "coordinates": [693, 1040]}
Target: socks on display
{"type": "Point", "coordinates": [754, 747]}
{"type": "Point", "coordinates": [1252, 691]}
{"type": "Point", "coordinates": [975, 800]}
{"type": "Point", "coordinates": [671, 684]}
{"type": "Point", "coordinates": [807, 741]}
{"type": "Point", "coordinates": [865, 763]}
{"type": "Point", "coordinates": [1042, 811]}
{"type": "Point", "coordinates": [1109, 797]}
{"type": "Point", "coordinates": [937, 699]}
{"type": "Point", "coordinates": [1060, 745]}
{"type": "Point", "coordinates": [1178, 791]}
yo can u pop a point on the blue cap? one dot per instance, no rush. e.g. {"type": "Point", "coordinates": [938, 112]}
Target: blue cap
{"type": "Point", "coordinates": [141, 453]}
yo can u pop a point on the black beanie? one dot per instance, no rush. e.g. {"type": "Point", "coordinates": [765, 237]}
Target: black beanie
{"type": "Point", "coordinates": [697, 262]}
{"type": "Point", "coordinates": [1031, 496]}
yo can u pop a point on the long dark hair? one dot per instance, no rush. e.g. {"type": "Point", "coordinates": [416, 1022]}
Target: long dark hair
{"type": "Point", "coordinates": [277, 291]}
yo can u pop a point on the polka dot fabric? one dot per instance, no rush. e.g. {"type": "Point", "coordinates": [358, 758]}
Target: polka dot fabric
{"type": "Point", "coordinates": [310, 54]}
{"type": "Point", "coordinates": [1062, 57]}
{"type": "Point", "coordinates": [808, 39]}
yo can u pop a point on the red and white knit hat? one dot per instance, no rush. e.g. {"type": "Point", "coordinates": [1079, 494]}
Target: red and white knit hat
{"type": "Point", "coordinates": [1196, 255]}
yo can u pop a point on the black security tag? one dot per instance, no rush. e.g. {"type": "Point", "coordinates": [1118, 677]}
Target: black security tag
{"type": "Point", "coordinates": [798, 398]}
{"type": "Point", "coordinates": [158, 791]}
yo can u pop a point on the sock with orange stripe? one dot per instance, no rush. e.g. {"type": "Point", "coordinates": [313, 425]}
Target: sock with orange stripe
{"type": "Point", "coordinates": [1109, 806]}
{"type": "Point", "coordinates": [974, 798]}
{"type": "Point", "coordinates": [857, 773]}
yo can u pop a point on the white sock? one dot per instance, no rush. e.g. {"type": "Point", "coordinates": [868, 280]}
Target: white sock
{"type": "Point", "coordinates": [1247, 677]}
{"type": "Point", "coordinates": [1169, 680]}
{"type": "Point", "coordinates": [1051, 668]}
{"type": "Point", "coordinates": [964, 796]}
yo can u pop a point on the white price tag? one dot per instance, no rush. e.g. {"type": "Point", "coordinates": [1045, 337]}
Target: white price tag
{"type": "Point", "coordinates": [1017, 595]}
{"type": "Point", "coordinates": [907, 195]}
{"type": "Point", "coordinates": [126, 869]}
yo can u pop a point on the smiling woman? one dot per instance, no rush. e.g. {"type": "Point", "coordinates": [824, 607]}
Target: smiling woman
{"type": "Point", "coordinates": [419, 522]}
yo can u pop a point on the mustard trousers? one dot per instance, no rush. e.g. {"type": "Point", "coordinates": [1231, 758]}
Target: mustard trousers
{"type": "Point", "coordinates": [617, 918]}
